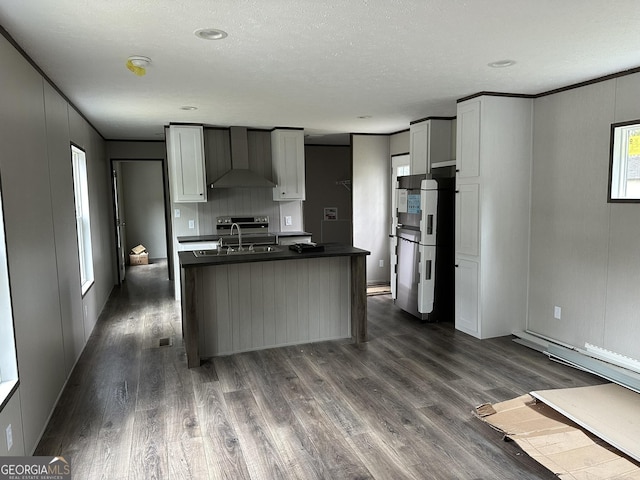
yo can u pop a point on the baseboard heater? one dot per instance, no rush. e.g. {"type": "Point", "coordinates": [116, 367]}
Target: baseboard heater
{"type": "Point", "coordinates": [611, 366]}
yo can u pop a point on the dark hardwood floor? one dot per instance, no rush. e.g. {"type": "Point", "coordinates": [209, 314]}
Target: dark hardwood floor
{"type": "Point", "coordinates": [399, 406]}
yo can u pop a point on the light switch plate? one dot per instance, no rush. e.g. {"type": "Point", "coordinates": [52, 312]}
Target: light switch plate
{"type": "Point", "coordinates": [192, 224]}
{"type": "Point", "coordinates": [557, 312]}
{"type": "Point", "coordinates": [288, 220]}
{"type": "Point", "coordinates": [176, 213]}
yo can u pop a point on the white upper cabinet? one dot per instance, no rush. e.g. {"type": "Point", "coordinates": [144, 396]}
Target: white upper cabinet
{"type": "Point", "coordinates": [187, 177]}
{"type": "Point", "coordinates": [287, 157]}
{"type": "Point", "coordinates": [468, 139]}
{"type": "Point", "coordinates": [430, 143]}
{"type": "Point", "coordinates": [419, 147]}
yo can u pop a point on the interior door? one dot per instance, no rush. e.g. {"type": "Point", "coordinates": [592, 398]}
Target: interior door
{"type": "Point", "coordinates": [120, 227]}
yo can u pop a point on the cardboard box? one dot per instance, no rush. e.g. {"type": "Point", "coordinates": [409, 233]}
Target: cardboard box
{"type": "Point", "coordinates": [556, 442]}
{"type": "Point", "coordinates": [139, 259]}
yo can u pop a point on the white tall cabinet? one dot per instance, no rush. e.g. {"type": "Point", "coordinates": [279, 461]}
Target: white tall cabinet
{"type": "Point", "coordinates": [493, 184]}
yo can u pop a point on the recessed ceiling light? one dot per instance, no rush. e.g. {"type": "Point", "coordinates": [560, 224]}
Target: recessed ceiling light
{"type": "Point", "coordinates": [502, 63]}
{"type": "Point", "coordinates": [188, 108]}
{"type": "Point", "coordinates": [210, 34]}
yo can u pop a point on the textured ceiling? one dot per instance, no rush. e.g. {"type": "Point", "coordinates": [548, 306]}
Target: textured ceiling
{"type": "Point", "coordinates": [311, 63]}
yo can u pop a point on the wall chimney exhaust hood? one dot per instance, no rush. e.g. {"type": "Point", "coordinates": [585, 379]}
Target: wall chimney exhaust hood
{"type": "Point", "coordinates": [240, 175]}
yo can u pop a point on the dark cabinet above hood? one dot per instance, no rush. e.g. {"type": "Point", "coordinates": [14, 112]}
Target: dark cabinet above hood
{"type": "Point", "coordinates": [240, 175]}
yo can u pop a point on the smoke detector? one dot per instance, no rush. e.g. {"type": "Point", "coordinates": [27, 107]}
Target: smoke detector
{"type": "Point", "coordinates": [138, 64]}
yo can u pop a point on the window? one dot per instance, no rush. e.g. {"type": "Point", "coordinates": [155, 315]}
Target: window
{"type": "Point", "coordinates": [83, 222]}
{"type": "Point", "coordinates": [399, 168]}
{"type": "Point", "coordinates": [624, 168]}
{"type": "Point", "coordinates": [8, 362]}
{"type": "Point", "coordinates": [403, 170]}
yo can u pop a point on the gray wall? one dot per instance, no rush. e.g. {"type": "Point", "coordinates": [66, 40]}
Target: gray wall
{"type": "Point", "coordinates": [131, 150]}
{"type": "Point", "coordinates": [144, 207]}
{"type": "Point", "coordinates": [52, 320]}
{"type": "Point", "coordinates": [584, 251]}
{"type": "Point", "coordinates": [136, 150]}
{"type": "Point", "coordinates": [325, 165]}
{"type": "Point", "coordinates": [400, 143]}
{"type": "Point", "coordinates": [371, 190]}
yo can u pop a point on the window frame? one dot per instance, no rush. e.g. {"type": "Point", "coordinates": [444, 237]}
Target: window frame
{"type": "Point", "coordinates": [616, 170]}
{"type": "Point", "coordinates": [9, 370]}
{"type": "Point", "coordinates": [80, 178]}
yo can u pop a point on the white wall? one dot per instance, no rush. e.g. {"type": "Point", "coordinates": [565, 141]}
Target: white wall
{"type": "Point", "coordinates": [584, 251]}
{"type": "Point", "coordinates": [143, 198]}
{"type": "Point", "coordinates": [50, 327]}
{"type": "Point", "coordinates": [371, 204]}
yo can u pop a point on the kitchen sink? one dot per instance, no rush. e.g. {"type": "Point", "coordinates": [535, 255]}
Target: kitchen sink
{"type": "Point", "coordinates": [234, 251]}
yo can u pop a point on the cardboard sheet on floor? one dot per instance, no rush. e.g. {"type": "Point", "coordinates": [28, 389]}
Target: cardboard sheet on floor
{"type": "Point", "coordinates": [609, 411]}
{"type": "Point", "coordinates": [556, 442]}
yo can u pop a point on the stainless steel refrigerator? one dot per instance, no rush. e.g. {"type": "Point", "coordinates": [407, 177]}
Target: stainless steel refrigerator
{"type": "Point", "coordinates": [424, 239]}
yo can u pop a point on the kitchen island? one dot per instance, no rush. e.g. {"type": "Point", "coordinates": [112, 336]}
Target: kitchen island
{"type": "Point", "coordinates": [241, 302]}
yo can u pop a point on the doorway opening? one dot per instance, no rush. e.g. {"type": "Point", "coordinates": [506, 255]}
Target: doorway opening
{"type": "Point", "coordinates": [140, 210]}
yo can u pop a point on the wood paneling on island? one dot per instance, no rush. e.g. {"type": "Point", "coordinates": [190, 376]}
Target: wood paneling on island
{"type": "Point", "coordinates": [266, 304]}
{"type": "Point", "coordinates": [239, 303]}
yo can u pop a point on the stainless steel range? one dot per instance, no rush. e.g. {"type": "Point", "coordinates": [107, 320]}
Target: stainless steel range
{"type": "Point", "coordinates": [254, 230]}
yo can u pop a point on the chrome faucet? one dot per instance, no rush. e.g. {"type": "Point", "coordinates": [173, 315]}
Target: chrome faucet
{"type": "Point", "coordinates": [239, 235]}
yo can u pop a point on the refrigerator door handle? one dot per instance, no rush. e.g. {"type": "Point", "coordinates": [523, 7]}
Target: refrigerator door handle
{"type": "Point", "coordinates": [427, 270]}
{"type": "Point", "coordinates": [430, 224]}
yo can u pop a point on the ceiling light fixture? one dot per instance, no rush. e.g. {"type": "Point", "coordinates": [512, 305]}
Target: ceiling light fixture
{"type": "Point", "coordinates": [188, 108]}
{"type": "Point", "coordinates": [210, 34]}
{"type": "Point", "coordinates": [138, 64]}
{"type": "Point", "coordinates": [502, 63]}
{"type": "Point", "coordinates": [364, 117]}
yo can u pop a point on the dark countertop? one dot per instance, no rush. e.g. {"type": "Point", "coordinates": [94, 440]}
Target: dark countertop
{"type": "Point", "coordinates": [187, 259]}
{"type": "Point", "coordinates": [293, 234]}
{"type": "Point", "coordinates": [198, 238]}
{"type": "Point", "coordinates": [213, 238]}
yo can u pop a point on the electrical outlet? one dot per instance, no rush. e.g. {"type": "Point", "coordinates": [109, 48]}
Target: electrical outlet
{"type": "Point", "coordinates": [288, 220]}
{"type": "Point", "coordinates": [192, 224]}
{"type": "Point", "coordinates": [557, 312]}
{"type": "Point", "coordinates": [176, 213]}
{"type": "Point", "coordinates": [381, 263]}
{"type": "Point", "coordinates": [9, 437]}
